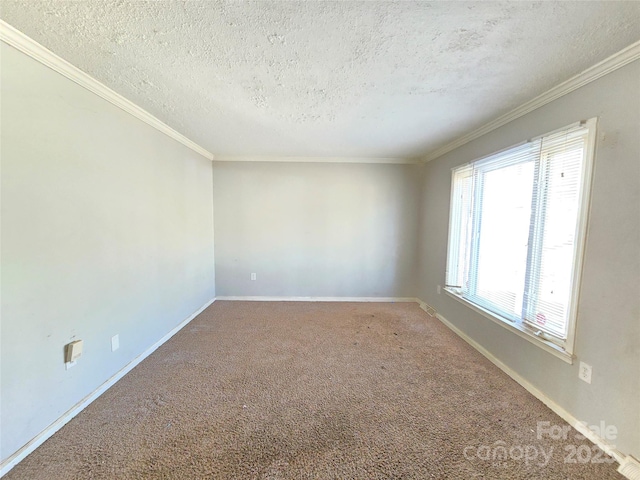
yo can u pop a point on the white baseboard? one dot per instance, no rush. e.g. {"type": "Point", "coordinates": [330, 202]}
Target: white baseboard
{"type": "Point", "coordinates": [319, 299]}
{"type": "Point", "coordinates": [628, 465]}
{"type": "Point", "coordinates": [39, 439]}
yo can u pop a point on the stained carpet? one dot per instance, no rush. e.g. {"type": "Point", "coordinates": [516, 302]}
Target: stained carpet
{"type": "Point", "coordinates": [287, 390]}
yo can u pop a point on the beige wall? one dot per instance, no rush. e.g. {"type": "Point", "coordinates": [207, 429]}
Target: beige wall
{"type": "Point", "coordinates": [315, 229]}
{"type": "Point", "coordinates": [107, 228]}
{"type": "Point", "coordinates": [608, 334]}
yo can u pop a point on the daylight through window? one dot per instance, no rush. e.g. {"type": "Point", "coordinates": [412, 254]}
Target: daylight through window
{"type": "Point", "coordinates": [516, 232]}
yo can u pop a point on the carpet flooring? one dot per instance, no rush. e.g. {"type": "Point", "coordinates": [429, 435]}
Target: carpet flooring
{"type": "Point", "coordinates": [287, 390]}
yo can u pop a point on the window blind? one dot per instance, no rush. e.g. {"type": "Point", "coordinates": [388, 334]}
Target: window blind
{"type": "Point", "coordinates": [513, 229]}
{"type": "Point", "coordinates": [554, 219]}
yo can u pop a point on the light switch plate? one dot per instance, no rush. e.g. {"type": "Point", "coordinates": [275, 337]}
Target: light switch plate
{"type": "Point", "coordinates": [115, 342]}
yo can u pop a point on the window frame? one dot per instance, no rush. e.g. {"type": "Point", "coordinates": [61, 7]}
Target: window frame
{"type": "Point", "coordinates": [563, 349]}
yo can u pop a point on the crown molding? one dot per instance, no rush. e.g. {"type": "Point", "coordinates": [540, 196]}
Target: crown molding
{"type": "Point", "coordinates": [286, 159]}
{"type": "Point", "coordinates": [30, 47]}
{"type": "Point", "coordinates": [614, 62]}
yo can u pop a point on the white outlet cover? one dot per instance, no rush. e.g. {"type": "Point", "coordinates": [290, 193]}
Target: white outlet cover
{"type": "Point", "coordinates": [439, 289]}
{"type": "Point", "coordinates": [585, 372]}
{"type": "Point", "coordinates": [115, 343]}
{"type": "Point", "coordinates": [253, 276]}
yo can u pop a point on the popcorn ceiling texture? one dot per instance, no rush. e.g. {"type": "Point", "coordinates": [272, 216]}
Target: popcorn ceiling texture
{"type": "Point", "coordinates": [303, 390]}
{"type": "Point", "coordinates": [364, 79]}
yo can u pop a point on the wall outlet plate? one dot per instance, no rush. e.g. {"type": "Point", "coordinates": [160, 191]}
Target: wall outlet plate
{"type": "Point", "coordinates": [585, 372]}
{"type": "Point", "coordinates": [253, 276]}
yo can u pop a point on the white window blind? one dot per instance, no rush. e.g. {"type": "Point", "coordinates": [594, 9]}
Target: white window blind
{"type": "Point", "coordinates": [515, 231]}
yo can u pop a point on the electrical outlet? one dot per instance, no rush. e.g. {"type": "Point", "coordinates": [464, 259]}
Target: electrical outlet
{"type": "Point", "coordinates": [253, 276]}
{"type": "Point", "coordinates": [585, 372]}
{"type": "Point", "coordinates": [115, 342]}
{"type": "Point", "coordinates": [439, 289]}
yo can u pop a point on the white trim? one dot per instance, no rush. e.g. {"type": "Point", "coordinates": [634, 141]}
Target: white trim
{"type": "Point", "coordinates": [614, 62]}
{"type": "Point", "coordinates": [562, 349]}
{"type": "Point", "coordinates": [317, 299]}
{"type": "Point", "coordinates": [39, 439]}
{"type": "Point", "coordinates": [30, 47]}
{"type": "Point", "coordinates": [291, 159]}
{"type": "Point", "coordinates": [538, 341]}
{"type": "Point", "coordinates": [629, 466]}
{"type": "Point", "coordinates": [565, 415]}
{"type": "Point", "coordinates": [581, 231]}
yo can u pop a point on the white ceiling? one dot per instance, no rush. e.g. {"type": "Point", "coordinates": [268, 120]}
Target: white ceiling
{"type": "Point", "coordinates": [311, 78]}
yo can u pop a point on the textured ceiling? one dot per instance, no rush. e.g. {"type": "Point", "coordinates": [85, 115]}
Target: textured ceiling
{"type": "Point", "coordinates": [364, 79]}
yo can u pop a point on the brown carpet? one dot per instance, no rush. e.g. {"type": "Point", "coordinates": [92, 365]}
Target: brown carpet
{"type": "Point", "coordinates": [259, 390]}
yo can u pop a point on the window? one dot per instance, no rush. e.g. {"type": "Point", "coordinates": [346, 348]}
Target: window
{"type": "Point", "coordinates": [516, 234]}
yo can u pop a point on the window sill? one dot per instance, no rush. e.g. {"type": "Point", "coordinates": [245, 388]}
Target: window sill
{"type": "Point", "coordinates": [521, 332]}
